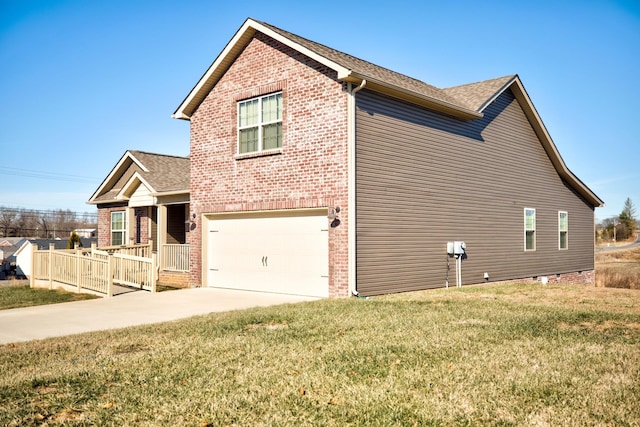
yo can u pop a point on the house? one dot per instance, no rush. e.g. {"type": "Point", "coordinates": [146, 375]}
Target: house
{"type": "Point", "coordinates": [314, 172]}
{"type": "Point", "coordinates": [86, 232]}
{"type": "Point", "coordinates": [145, 198]}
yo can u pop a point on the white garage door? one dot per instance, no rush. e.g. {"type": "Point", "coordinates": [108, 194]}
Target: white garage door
{"type": "Point", "coordinates": [284, 253]}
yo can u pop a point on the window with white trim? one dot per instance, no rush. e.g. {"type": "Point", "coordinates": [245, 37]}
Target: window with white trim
{"type": "Point", "coordinates": [529, 229]}
{"type": "Point", "coordinates": [260, 124]}
{"type": "Point", "coordinates": [563, 230]}
{"type": "Point", "coordinates": [118, 228]}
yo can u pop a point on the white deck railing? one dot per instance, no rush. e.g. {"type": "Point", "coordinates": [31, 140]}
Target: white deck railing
{"type": "Point", "coordinates": [93, 269]}
{"type": "Point", "coordinates": [135, 250]}
{"type": "Point", "coordinates": [175, 258]}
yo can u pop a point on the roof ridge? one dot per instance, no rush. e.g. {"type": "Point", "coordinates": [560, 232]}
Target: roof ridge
{"type": "Point", "coordinates": [478, 95]}
{"type": "Point", "coordinates": [411, 80]}
{"type": "Point", "coordinates": [508, 76]}
{"type": "Point", "coordinates": [158, 154]}
{"type": "Point", "coordinates": [273, 27]}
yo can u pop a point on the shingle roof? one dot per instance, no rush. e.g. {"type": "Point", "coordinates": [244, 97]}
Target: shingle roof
{"type": "Point", "coordinates": [163, 173]}
{"type": "Point", "coordinates": [466, 102]}
{"type": "Point", "coordinates": [350, 68]}
{"type": "Point", "coordinates": [166, 173]}
{"type": "Point", "coordinates": [476, 96]}
{"type": "Point", "coordinates": [368, 70]}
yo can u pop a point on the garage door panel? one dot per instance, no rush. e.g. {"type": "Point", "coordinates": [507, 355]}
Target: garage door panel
{"type": "Point", "coordinates": [287, 254]}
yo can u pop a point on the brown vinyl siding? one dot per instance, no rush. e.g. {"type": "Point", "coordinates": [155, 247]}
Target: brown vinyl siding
{"type": "Point", "coordinates": [423, 179]}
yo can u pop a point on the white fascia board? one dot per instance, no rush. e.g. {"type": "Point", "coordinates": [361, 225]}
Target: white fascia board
{"type": "Point", "coordinates": [138, 162]}
{"type": "Point", "coordinates": [242, 36]}
{"type": "Point", "coordinates": [135, 178]}
{"type": "Point", "coordinates": [550, 147]}
{"type": "Point", "coordinates": [115, 172]}
{"type": "Point", "coordinates": [407, 94]}
{"type": "Point", "coordinates": [109, 178]}
{"type": "Point", "coordinates": [342, 71]}
{"type": "Point", "coordinates": [499, 92]}
{"type": "Point", "coordinates": [169, 193]}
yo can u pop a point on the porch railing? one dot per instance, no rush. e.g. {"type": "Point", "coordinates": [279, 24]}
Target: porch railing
{"type": "Point", "coordinates": [94, 270]}
{"type": "Point", "coordinates": [135, 250]}
{"type": "Point", "coordinates": [175, 258]}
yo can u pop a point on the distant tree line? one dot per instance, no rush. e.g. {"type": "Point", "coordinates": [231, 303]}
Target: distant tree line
{"type": "Point", "coordinates": [18, 222]}
{"type": "Point", "coordinates": [621, 227]}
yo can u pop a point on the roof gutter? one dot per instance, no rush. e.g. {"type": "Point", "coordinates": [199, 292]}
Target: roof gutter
{"type": "Point", "coordinates": [411, 96]}
{"type": "Point", "coordinates": [169, 193]}
{"type": "Point", "coordinates": [351, 185]}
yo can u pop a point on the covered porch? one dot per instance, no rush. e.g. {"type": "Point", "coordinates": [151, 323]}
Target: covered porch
{"type": "Point", "coordinates": [144, 201]}
{"type": "Point", "coordinates": [165, 226]}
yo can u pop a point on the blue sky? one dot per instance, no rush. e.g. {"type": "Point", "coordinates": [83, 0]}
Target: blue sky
{"type": "Point", "coordinates": [83, 81]}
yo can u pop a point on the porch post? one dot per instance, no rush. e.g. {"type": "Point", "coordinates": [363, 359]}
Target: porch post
{"type": "Point", "coordinates": [162, 232]}
{"type": "Point", "coordinates": [131, 226]}
{"type": "Point", "coordinates": [52, 247]}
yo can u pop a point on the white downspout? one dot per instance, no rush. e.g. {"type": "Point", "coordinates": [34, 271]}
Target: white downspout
{"type": "Point", "coordinates": [351, 158]}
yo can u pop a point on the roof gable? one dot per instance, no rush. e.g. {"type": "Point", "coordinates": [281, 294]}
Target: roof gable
{"type": "Point", "coordinates": [465, 102]}
{"type": "Point", "coordinates": [159, 173]}
{"type": "Point", "coordinates": [348, 69]}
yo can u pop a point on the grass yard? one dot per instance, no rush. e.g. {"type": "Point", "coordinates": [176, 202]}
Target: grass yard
{"type": "Point", "coordinates": [16, 296]}
{"type": "Point", "coordinates": [483, 355]}
{"type": "Point", "coordinates": [618, 269]}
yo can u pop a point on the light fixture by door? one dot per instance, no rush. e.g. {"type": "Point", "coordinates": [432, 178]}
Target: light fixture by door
{"type": "Point", "coordinates": [333, 215]}
{"type": "Point", "coordinates": [191, 223]}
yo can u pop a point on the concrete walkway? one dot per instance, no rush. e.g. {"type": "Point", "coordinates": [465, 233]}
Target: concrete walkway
{"type": "Point", "coordinates": [130, 309]}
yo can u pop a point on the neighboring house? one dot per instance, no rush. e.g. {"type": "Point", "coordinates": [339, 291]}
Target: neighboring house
{"type": "Point", "coordinates": [6, 254]}
{"type": "Point", "coordinates": [317, 173]}
{"type": "Point", "coordinates": [6, 251]}
{"type": "Point", "coordinates": [11, 241]}
{"type": "Point", "coordinates": [86, 232]}
{"type": "Point", "coordinates": [21, 259]}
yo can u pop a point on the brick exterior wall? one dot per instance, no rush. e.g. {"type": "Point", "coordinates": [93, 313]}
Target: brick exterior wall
{"type": "Point", "coordinates": [104, 222]}
{"type": "Point", "coordinates": [587, 277]}
{"type": "Point", "coordinates": [143, 222]}
{"type": "Point", "coordinates": [173, 278]}
{"type": "Point", "coordinates": [309, 172]}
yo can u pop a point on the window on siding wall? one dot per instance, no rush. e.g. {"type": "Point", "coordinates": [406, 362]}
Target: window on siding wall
{"type": "Point", "coordinates": [529, 229]}
{"type": "Point", "coordinates": [118, 228]}
{"type": "Point", "coordinates": [260, 124]}
{"type": "Point", "coordinates": [563, 230]}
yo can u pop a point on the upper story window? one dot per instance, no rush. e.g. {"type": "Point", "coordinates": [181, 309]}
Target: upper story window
{"type": "Point", "coordinates": [118, 228]}
{"type": "Point", "coordinates": [260, 124]}
{"type": "Point", "coordinates": [563, 230]}
{"type": "Point", "coordinates": [529, 229]}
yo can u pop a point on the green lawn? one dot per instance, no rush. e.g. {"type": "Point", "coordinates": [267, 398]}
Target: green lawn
{"type": "Point", "coordinates": [484, 355]}
{"type": "Point", "coordinates": [23, 296]}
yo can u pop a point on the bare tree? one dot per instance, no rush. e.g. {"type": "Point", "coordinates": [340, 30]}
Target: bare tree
{"type": "Point", "coordinates": [43, 223]}
{"type": "Point", "coordinates": [7, 221]}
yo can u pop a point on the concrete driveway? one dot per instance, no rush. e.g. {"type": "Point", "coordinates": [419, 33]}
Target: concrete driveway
{"type": "Point", "coordinates": [130, 309]}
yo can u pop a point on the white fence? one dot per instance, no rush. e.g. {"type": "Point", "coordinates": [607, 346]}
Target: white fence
{"type": "Point", "coordinates": [94, 270]}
